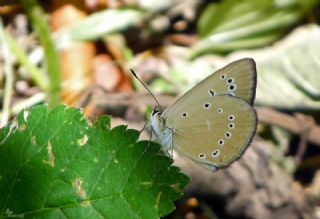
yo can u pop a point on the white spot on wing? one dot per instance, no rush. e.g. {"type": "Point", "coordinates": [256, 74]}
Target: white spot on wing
{"type": "Point", "coordinates": [211, 92]}
{"type": "Point", "coordinates": [202, 156]}
{"type": "Point", "coordinates": [215, 153]}
{"type": "Point", "coordinates": [221, 142]}
{"type": "Point", "coordinates": [207, 105]}
{"type": "Point", "coordinates": [184, 114]}
{"type": "Point", "coordinates": [232, 87]}
{"type": "Point", "coordinates": [223, 76]}
{"type": "Point", "coordinates": [231, 117]}
{"type": "Point", "coordinates": [230, 80]}
{"type": "Point", "coordinates": [231, 125]}
{"type": "Point", "coordinates": [228, 135]}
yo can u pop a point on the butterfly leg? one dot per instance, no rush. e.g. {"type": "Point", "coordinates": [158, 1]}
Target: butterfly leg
{"type": "Point", "coordinates": [169, 151]}
{"type": "Point", "coordinates": [144, 127]}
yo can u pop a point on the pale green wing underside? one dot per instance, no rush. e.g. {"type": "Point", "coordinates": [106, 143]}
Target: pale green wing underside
{"type": "Point", "coordinates": [213, 131]}
{"type": "Point", "coordinates": [214, 122]}
{"type": "Point", "coordinates": [239, 79]}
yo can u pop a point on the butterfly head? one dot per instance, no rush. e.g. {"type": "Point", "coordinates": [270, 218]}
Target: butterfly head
{"type": "Point", "coordinates": [156, 112]}
{"type": "Point", "coordinates": [159, 131]}
{"type": "Point", "coordinates": [156, 119]}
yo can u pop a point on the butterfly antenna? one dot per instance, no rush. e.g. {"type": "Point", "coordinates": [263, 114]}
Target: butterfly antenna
{"type": "Point", "coordinates": [135, 75]}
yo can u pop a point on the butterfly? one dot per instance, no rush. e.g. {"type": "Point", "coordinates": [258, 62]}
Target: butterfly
{"type": "Point", "coordinates": [214, 122]}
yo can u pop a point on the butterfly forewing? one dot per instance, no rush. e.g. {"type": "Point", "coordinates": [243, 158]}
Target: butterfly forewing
{"type": "Point", "coordinates": [236, 79]}
{"type": "Point", "coordinates": [214, 131]}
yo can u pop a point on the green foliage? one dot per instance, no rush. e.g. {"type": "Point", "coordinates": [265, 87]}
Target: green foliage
{"type": "Point", "coordinates": [99, 24]}
{"type": "Point", "coordinates": [232, 25]}
{"type": "Point", "coordinates": [289, 71]}
{"type": "Point", "coordinates": [54, 164]}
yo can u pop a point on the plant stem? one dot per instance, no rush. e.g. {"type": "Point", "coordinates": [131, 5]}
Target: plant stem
{"type": "Point", "coordinates": [21, 57]}
{"type": "Point", "coordinates": [8, 72]}
{"type": "Point", "coordinates": [37, 17]}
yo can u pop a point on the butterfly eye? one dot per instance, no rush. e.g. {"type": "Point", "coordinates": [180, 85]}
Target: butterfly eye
{"type": "Point", "coordinates": [184, 114]}
{"type": "Point", "coordinates": [221, 142]}
{"type": "Point", "coordinates": [231, 94]}
{"type": "Point", "coordinates": [231, 125]}
{"type": "Point", "coordinates": [202, 156]}
{"type": "Point", "coordinates": [230, 80]}
{"type": "Point", "coordinates": [154, 112]}
{"type": "Point", "coordinates": [232, 87]}
{"type": "Point", "coordinates": [223, 76]}
{"type": "Point", "coordinates": [231, 117]}
{"type": "Point", "coordinates": [219, 110]}
{"type": "Point", "coordinates": [211, 92]}
{"type": "Point", "coordinates": [228, 135]}
{"type": "Point", "coordinates": [206, 105]}
{"type": "Point", "coordinates": [215, 153]}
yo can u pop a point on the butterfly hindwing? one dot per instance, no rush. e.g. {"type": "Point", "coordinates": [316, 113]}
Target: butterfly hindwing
{"type": "Point", "coordinates": [213, 132]}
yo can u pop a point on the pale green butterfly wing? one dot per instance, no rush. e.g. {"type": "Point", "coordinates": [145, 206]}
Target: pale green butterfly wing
{"type": "Point", "coordinates": [238, 79]}
{"type": "Point", "coordinates": [213, 131]}
{"type": "Point", "coordinates": [209, 125]}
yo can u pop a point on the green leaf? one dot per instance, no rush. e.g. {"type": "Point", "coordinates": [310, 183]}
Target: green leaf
{"type": "Point", "coordinates": [288, 72]}
{"type": "Point", "coordinates": [99, 24]}
{"type": "Point", "coordinates": [54, 164]}
{"type": "Point", "coordinates": [224, 25]}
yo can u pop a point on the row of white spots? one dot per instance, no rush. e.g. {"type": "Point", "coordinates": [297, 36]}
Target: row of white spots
{"type": "Point", "coordinates": [221, 142]}
{"type": "Point", "coordinates": [232, 86]}
{"type": "Point", "coordinates": [205, 106]}
{"type": "Point", "coordinates": [231, 117]}
{"type": "Point", "coordinates": [208, 106]}
{"type": "Point", "coordinates": [214, 154]}
{"type": "Point", "coordinates": [228, 134]}
{"type": "Point", "coordinates": [231, 89]}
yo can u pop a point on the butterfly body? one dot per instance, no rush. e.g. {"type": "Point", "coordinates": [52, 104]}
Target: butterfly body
{"type": "Point", "coordinates": [214, 122]}
{"type": "Point", "coordinates": [160, 131]}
